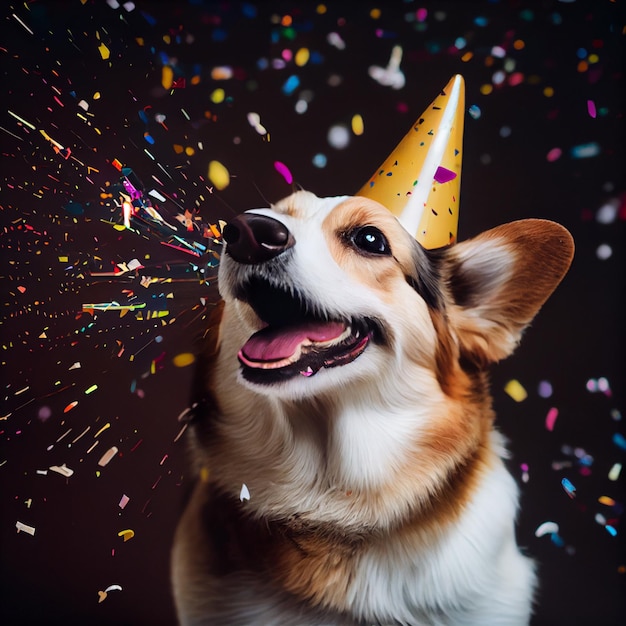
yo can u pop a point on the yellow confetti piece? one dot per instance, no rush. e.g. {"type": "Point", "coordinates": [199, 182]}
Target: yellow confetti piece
{"type": "Point", "coordinates": [107, 425]}
{"type": "Point", "coordinates": [218, 96]}
{"type": "Point", "coordinates": [515, 389]}
{"type": "Point", "coordinates": [91, 389]}
{"type": "Point", "coordinates": [218, 175]}
{"type": "Point", "coordinates": [189, 151]}
{"type": "Point", "coordinates": [105, 53]}
{"type": "Point", "coordinates": [615, 471]}
{"type": "Point", "coordinates": [486, 89]}
{"type": "Point", "coordinates": [357, 124]}
{"type": "Point", "coordinates": [302, 57]}
{"type": "Point", "coordinates": [127, 534]}
{"type": "Point", "coordinates": [167, 76]}
{"type": "Point", "coordinates": [184, 359]}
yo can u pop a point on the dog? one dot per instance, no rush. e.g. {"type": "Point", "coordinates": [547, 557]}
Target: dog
{"type": "Point", "coordinates": [349, 472]}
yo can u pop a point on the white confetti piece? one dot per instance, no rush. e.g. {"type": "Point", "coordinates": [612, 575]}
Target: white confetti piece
{"type": "Point", "coordinates": [244, 494]}
{"type": "Point", "coordinates": [547, 528]}
{"type": "Point", "coordinates": [107, 456]}
{"type": "Point", "coordinates": [24, 528]}
{"type": "Point", "coordinates": [64, 470]}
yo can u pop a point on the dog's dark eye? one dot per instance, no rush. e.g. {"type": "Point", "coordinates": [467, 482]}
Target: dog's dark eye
{"type": "Point", "coordinates": [370, 239]}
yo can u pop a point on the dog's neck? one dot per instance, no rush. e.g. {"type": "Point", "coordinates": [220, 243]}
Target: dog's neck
{"type": "Point", "coordinates": [347, 459]}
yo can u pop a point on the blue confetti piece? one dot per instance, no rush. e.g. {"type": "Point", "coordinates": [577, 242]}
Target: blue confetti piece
{"type": "Point", "coordinates": [585, 150]}
{"type": "Point", "coordinates": [291, 84]}
{"type": "Point", "coordinates": [219, 34]}
{"type": "Point", "coordinates": [611, 530]}
{"type": "Point", "coordinates": [557, 540]}
{"type": "Point", "coordinates": [319, 160]}
{"type": "Point", "coordinates": [249, 10]}
{"type": "Point", "coordinates": [569, 487]}
{"type": "Point", "coordinates": [474, 111]}
{"type": "Point", "coordinates": [151, 20]}
{"type": "Point", "coordinates": [619, 441]}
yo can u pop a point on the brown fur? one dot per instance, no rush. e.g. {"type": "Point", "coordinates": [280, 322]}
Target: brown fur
{"type": "Point", "coordinates": [476, 315]}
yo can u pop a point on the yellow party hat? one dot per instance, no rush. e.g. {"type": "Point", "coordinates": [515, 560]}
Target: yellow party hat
{"type": "Point", "coordinates": [421, 179]}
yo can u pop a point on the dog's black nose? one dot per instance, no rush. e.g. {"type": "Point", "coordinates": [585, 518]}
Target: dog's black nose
{"type": "Point", "coordinates": [253, 238]}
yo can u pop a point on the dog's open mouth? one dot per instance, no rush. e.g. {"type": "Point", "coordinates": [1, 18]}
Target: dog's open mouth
{"type": "Point", "coordinates": [296, 340]}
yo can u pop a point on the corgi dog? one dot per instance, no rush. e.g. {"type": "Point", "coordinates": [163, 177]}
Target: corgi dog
{"type": "Point", "coordinates": [348, 469]}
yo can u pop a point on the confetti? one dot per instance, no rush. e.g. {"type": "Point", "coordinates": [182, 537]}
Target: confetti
{"type": "Point", "coordinates": [127, 534]}
{"type": "Point", "coordinates": [606, 501]}
{"type": "Point", "coordinates": [184, 359]}
{"type": "Point", "coordinates": [105, 53]}
{"type": "Point", "coordinates": [391, 75]}
{"type": "Point", "coordinates": [544, 389]}
{"type": "Point", "coordinates": [339, 136]}
{"type": "Point", "coordinates": [547, 528]}
{"type": "Point", "coordinates": [569, 488]}
{"type": "Point", "coordinates": [70, 406]}
{"type": "Point", "coordinates": [283, 170]}
{"type": "Point", "coordinates": [244, 493]}
{"type": "Point", "coordinates": [357, 124]}
{"type": "Point", "coordinates": [620, 441]}
{"type": "Point", "coordinates": [515, 389]}
{"type": "Point", "coordinates": [106, 458]}
{"type": "Point", "coordinates": [554, 155]}
{"type": "Point", "coordinates": [474, 112]}
{"type": "Point", "coordinates": [585, 150]}
{"type": "Point", "coordinates": [615, 471]}
{"type": "Point", "coordinates": [591, 108]}
{"type": "Point", "coordinates": [62, 469]}
{"type": "Point", "coordinates": [254, 119]}
{"type": "Point", "coordinates": [24, 528]}
{"type": "Point", "coordinates": [551, 418]}
{"type": "Point", "coordinates": [218, 175]}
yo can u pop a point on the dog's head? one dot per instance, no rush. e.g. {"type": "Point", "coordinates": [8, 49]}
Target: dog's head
{"type": "Point", "coordinates": [326, 292]}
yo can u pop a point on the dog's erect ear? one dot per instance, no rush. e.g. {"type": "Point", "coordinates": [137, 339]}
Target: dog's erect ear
{"type": "Point", "coordinates": [498, 281]}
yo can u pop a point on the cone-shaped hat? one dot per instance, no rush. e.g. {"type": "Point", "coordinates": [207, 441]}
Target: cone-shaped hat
{"type": "Point", "coordinates": [421, 179]}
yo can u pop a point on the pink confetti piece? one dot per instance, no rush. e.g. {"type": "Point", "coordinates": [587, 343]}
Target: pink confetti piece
{"type": "Point", "coordinates": [283, 170]}
{"type": "Point", "coordinates": [553, 413]}
{"type": "Point", "coordinates": [591, 108]}
{"type": "Point", "coordinates": [444, 175]}
{"type": "Point", "coordinates": [554, 154]}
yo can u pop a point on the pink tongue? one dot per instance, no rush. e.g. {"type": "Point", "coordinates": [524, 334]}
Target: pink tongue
{"type": "Point", "coordinates": [274, 344]}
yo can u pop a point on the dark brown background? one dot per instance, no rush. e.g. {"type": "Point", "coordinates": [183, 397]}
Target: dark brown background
{"type": "Point", "coordinates": [54, 576]}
